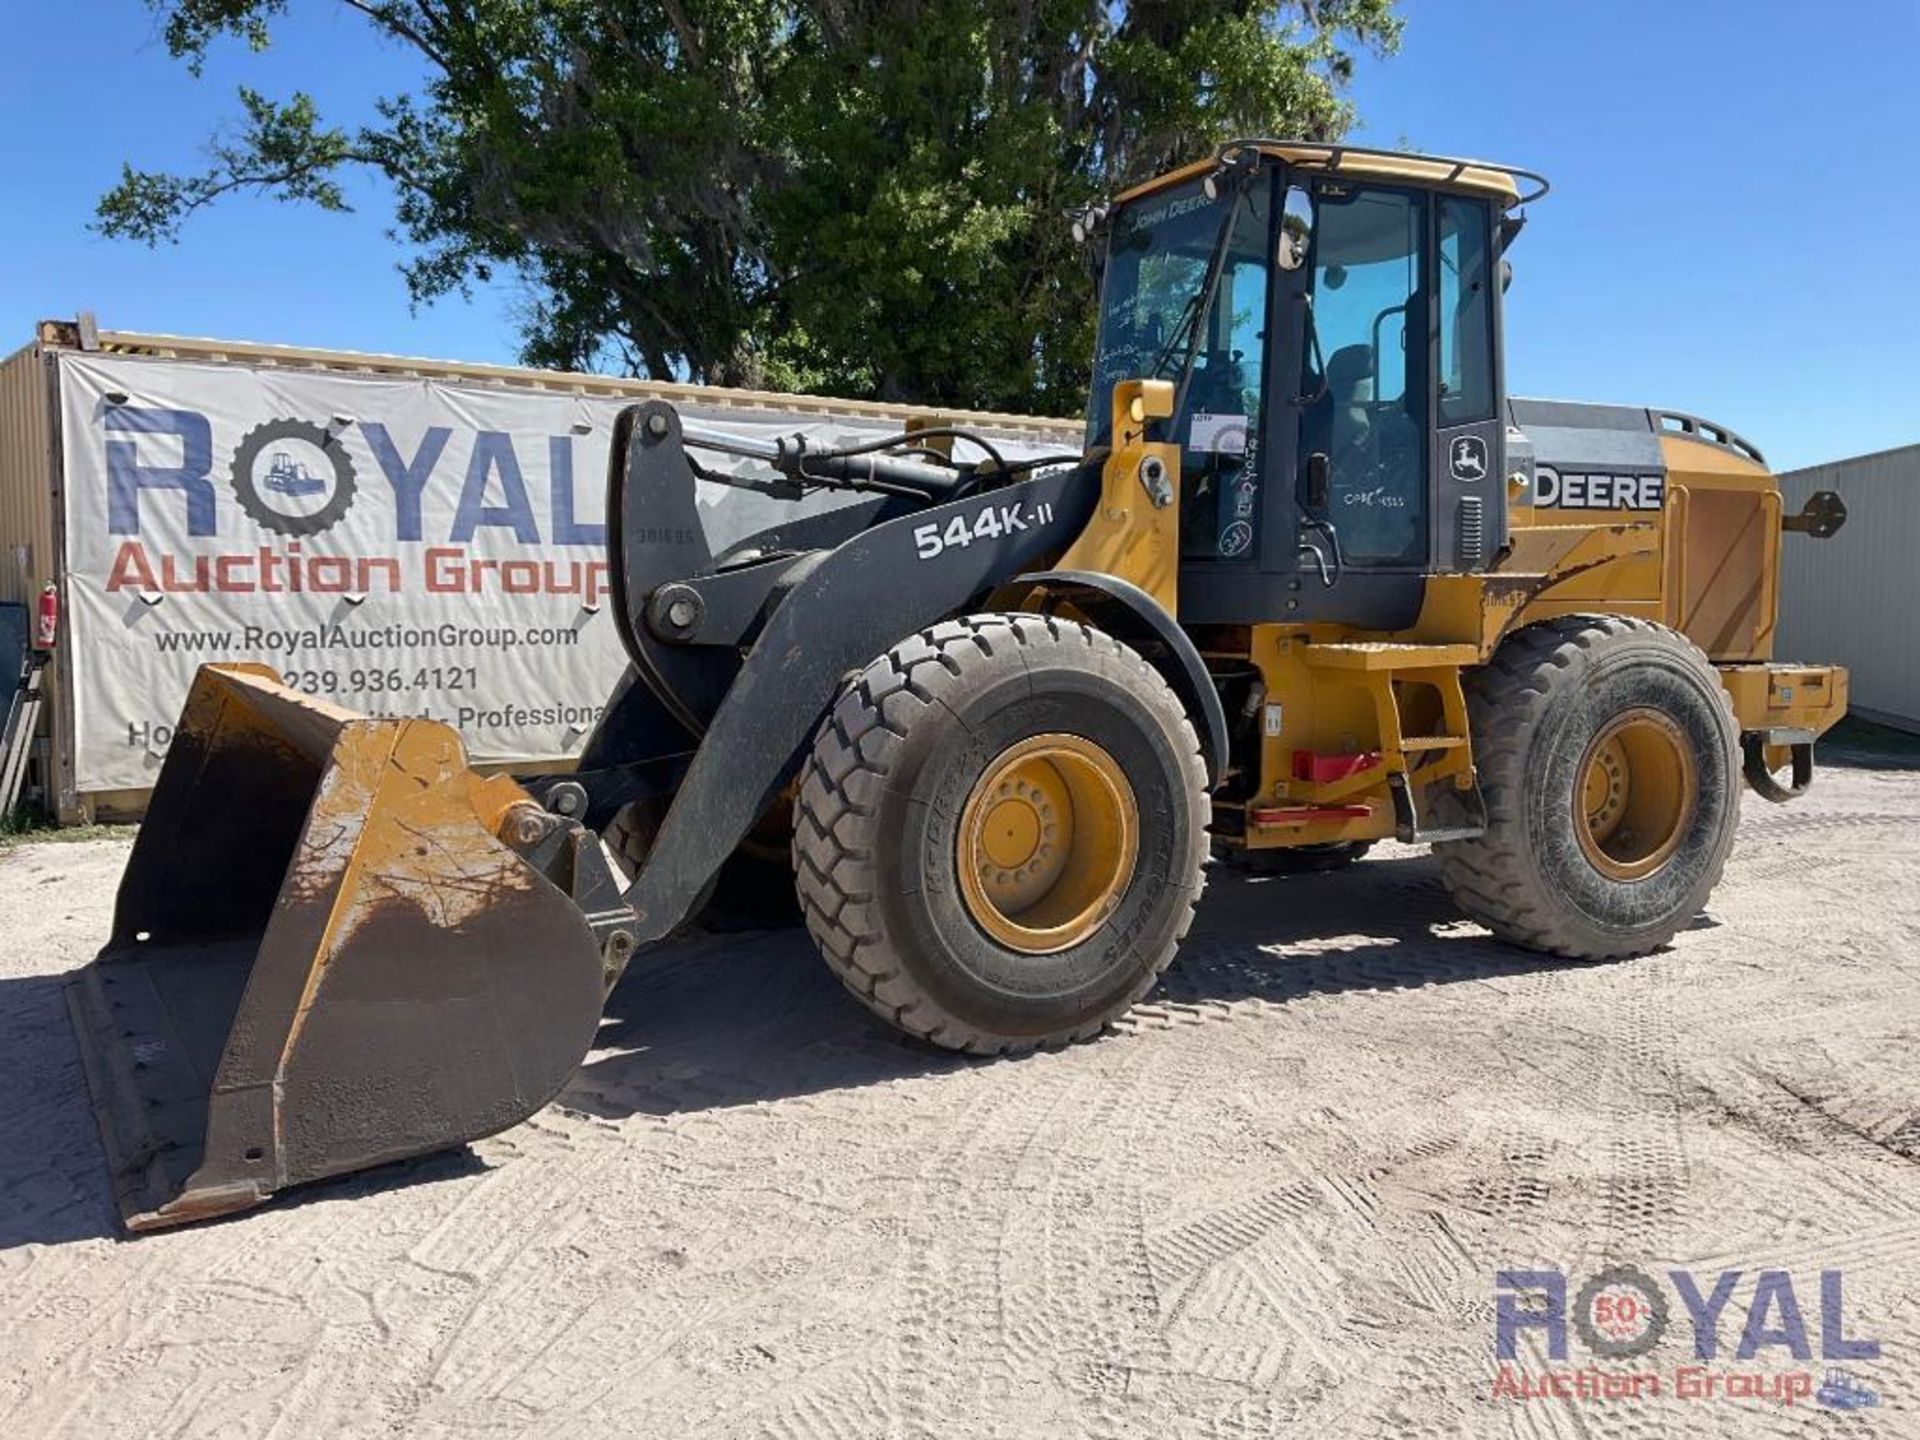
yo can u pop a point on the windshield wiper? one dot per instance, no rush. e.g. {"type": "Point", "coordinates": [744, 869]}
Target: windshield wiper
{"type": "Point", "coordinates": [1203, 300]}
{"type": "Point", "coordinates": [1180, 329]}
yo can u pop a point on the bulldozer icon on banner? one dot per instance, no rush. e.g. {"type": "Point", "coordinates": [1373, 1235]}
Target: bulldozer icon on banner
{"type": "Point", "coordinates": [287, 476]}
{"type": "Point", "coordinates": [996, 717]}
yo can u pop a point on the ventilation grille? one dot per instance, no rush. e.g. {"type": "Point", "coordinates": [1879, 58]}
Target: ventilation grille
{"type": "Point", "coordinates": [1473, 533]}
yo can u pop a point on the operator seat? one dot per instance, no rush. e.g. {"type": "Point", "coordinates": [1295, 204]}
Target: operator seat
{"type": "Point", "coordinates": [1349, 394]}
{"type": "Point", "coordinates": [1374, 517]}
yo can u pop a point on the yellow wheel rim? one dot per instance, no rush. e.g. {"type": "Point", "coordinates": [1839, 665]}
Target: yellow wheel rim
{"type": "Point", "coordinates": [1638, 788]}
{"type": "Point", "coordinates": [1048, 841]}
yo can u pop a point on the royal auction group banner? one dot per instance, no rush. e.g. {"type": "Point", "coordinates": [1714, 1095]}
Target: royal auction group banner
{"type": "Point", "coordinates": [398, 546]}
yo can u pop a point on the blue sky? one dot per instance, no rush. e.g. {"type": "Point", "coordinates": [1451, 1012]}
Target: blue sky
{"type": "Point", "coordinates": [1731, 228]}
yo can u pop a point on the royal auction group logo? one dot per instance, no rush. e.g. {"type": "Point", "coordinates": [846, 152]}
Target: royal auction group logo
{"type": "Point", "coordinates": [434, 517]}
{"type": "Point", "coordinates": [1622, 1313]}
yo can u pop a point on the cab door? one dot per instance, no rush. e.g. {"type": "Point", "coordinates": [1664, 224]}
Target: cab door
{"type": "Point", "coordinates": [1469, 513]}
{"type": "Point", "coordinates": [1367, 394]}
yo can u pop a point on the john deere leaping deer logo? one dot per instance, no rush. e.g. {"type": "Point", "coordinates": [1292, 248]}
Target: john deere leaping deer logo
{"type": "Point", "coordinates": [1467, 458]}
{"type": "Point", "coordinates": [293, 477]}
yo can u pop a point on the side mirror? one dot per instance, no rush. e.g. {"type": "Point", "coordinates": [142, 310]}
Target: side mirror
{"type": "Point", "coordinates": [1296, 230]}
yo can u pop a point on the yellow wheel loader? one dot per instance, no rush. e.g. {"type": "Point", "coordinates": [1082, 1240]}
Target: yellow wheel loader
{"type": "Point", "coordinates": [1315, 582]}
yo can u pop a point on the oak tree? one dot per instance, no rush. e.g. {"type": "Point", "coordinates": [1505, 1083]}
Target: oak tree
{"type": "Point", "coordinates": [852, 197]}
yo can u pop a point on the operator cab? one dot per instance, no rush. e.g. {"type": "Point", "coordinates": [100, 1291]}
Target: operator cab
{"type": "Point", "coordinates": [1330, 318]}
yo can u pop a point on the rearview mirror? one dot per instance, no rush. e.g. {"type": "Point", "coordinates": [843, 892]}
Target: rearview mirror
{"type": "Point", "coordinates": [1296, 230]}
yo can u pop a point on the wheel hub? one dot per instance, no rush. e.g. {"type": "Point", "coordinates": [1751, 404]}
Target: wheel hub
{"type": "Point", "coordinates": [1636, 794]}
{"type": "Point", "coordinates": [1047, 843]}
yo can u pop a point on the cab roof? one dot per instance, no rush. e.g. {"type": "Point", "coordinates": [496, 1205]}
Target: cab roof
{"type": "Point", "coordinates": [1507, 183]}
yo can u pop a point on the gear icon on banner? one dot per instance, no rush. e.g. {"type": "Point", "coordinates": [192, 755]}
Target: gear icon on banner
{"type": "Point", "coordinates": [287, 478]}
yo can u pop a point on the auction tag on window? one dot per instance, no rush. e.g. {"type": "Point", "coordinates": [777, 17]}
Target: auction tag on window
{"type": "Point", "coordinates": [1218, 434]}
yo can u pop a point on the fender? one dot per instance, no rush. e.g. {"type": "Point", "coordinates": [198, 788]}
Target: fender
{"type": "Point", "coordinates": [1128, 613]}
{"type": "Point", "coordinates": [859, 600]}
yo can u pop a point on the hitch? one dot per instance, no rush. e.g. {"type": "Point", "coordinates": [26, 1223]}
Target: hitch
{"type": "Point", "coordinates": [1799, 745]}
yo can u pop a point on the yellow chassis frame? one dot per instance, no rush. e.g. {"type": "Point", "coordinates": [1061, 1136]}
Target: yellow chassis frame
{"type": "Point", "coordinates": [1394, 705]}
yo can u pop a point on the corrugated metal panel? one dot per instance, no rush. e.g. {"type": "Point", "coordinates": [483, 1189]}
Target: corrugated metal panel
{"type": "Point", "coordinates": [1855, 598]}
{"type": "Point", "coordinates": [27, 559]}
{"type": "Point", "coordinates": [30, 541]}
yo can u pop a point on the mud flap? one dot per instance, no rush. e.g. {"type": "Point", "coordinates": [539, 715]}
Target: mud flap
{"type": "Point", "coordinates": [334, 945]}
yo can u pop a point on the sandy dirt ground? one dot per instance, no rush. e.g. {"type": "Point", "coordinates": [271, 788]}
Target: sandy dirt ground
{"type": "Point", "coordinates": [1273, 1202]}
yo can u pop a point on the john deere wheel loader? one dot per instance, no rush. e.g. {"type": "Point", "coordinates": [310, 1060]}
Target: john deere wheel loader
{"type": "Point", "coordinates": [1315, 582]}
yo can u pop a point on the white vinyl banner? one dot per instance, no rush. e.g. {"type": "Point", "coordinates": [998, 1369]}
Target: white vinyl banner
{"type": "Point", "coordinates": [398, 546]}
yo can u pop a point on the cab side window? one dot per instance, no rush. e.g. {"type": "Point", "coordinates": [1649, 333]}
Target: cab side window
{"type": "Point", "coordinates": [1466, 313]}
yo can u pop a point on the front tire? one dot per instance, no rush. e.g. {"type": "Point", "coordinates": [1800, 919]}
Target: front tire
{"type": "Point", "coordinates": [1609, 759]}
{"type": "Point", "coordinates": [752, 890]}
{"type": "Point", "coordinates": [1000, 832]}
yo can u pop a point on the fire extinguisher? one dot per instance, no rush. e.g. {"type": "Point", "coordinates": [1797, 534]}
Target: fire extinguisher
{"type": "Point", "coordinates": [48, 627]}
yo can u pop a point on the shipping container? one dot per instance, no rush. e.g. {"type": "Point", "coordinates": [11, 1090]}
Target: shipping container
{"type": "Point", "coordinates": [122, 484]}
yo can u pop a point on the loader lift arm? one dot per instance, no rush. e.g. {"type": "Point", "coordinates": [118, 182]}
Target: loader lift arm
{"type": "Point", "coordinates": [756, 712]}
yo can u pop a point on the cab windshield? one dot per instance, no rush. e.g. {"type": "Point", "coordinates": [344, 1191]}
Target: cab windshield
{"type": "Point", "coordinates": [1156, 274]}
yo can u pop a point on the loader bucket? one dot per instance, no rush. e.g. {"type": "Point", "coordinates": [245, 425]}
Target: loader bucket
{"type": "Point", "coordinates": [324, 956]}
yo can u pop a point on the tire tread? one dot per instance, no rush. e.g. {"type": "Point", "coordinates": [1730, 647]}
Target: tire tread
{"type": "Point", "coordinates": [852, 756]}
{"type": "Point", "coordinates": [1507, 698]}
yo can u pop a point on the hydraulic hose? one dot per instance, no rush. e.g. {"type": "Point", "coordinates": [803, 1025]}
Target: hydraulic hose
{"type": "Point", "coordinates": [794, 457]}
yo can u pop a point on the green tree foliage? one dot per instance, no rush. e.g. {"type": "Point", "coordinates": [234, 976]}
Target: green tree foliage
{"type": "Point", "coordinates": [854, 197]}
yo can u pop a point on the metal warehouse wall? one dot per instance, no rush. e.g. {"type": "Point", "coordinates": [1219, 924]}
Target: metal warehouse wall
{"type": "Point", "coordinates": [1855, 598]}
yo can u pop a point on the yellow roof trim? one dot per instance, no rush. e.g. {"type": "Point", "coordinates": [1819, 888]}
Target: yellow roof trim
{"type": "Point", "coordinates": [1482, 176]}
{"type": "Point", "coordinates": [1423, 169]}
{"type": "Point", "coordinates": [1160, 182]}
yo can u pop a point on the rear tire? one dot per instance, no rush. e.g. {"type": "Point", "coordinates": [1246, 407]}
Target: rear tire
{"type": "Point", "coordinates": [1578, 859]}
{"type": "Point", "coordinates": [1060, 766]}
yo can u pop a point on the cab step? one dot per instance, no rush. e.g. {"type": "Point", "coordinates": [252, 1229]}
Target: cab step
{"type": "Point", "coordinates": [1463, 815]}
